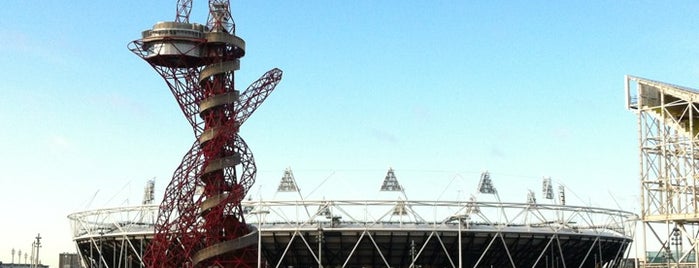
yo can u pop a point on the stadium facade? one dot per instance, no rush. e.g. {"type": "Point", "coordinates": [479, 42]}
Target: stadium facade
{"type": "Point", "coordinates": [388, 233]}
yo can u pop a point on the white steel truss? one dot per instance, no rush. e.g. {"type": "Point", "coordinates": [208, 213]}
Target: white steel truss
{"type": "Point", "coordinates": [668, 123]}
{"type": "Point", "coordinates": [355, 233]}
{"type": "Point", "coordinates": [113, 237]}
{"type": "Point", "coordinates": [365, 233]}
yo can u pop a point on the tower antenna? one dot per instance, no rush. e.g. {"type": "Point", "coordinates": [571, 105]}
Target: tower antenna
{"type": "Point", "coordinates": [184, 8]}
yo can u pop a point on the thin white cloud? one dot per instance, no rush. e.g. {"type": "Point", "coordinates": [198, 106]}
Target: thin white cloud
{"type": "Point", "coordinates": [59, 144]}
{"type": "Point", "coordinates": [20, 43]}
{"type": "Point", "coordinates": [119, 102]}
{"type": "Point", "coordinates": [562, 133]}
{"type": "Point", "coordinates": [383, 135]}
{"type": "Point", "coordinates": [496, 151]}
{"type": "Point", "coordinates": [15, 41]}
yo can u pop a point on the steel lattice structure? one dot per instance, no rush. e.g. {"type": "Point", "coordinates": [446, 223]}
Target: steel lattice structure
{"type": "Point", "coordinates": [430, 233]}
{"type": "Point", "coordinates": [200, 223]}
{"type": "Point", "coordinates": [389, 233]}
{"type": "Point", "coordinates": [668, 123]}
{"type": "Point", "coordinates": [114, 237]}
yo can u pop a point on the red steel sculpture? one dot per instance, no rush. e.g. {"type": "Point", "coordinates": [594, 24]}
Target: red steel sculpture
{"type": "Point", "coordinates": [200, 221]}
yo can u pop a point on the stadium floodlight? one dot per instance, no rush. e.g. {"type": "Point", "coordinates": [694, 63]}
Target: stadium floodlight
{"type": "Point", "coordinates": [288, 183]}
{"type": "Point", "coordinates": [547, 188]}
{"type": "Point", "coordinates": [561, 195]}
{"type": "Point", "coordinates": [472, 206]}
{"type": "Point", "coordinates": [324, 210]}
{"type": "Point", "coordinates": [248, 208]}
{"type": "Point", "coordinates": [149, 192]}
{"type": "Point", "coordinates": [390, 183]}
{"type": "Point", "coordinates": [531, 197]}
{"type": "Point", "coordinates": [485, 186]}
{"type": "Point", "coordinates": [400, 209]}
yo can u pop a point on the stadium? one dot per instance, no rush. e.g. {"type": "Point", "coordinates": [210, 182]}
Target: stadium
{"type": "Point", "coordinates": [388, 233]}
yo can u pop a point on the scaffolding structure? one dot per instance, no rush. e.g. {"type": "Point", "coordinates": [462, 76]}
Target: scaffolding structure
{"type": "Point", "coordinates": [668, 124]}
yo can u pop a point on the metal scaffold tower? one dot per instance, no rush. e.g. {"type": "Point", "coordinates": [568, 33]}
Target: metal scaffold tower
{"type": "Point", "coordinates": [668, 121]}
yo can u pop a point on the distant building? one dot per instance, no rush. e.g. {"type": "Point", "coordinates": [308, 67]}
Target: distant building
{"type": "Point", "coordinates": [68, 260]}
{"type": "Point", "coordinates": [23, 265]}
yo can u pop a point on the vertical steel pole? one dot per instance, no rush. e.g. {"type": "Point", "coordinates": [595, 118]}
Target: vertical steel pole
{"type": "Point", "coordinates": [460, 258]}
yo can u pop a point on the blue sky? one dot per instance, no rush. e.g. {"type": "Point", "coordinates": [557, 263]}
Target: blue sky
{"type": "Point", "coordinates": [435, 89]}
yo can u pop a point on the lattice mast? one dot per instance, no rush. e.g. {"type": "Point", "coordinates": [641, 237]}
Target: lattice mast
{"type": "Point", "coordinates": [668, 121]}
{"type": "Point", "coordinates": [200, 222]}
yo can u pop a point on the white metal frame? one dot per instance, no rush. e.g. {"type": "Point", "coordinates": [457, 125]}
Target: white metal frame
{"type": "Point", "coordinates": [439, 219]}
{"type": "Point", "coordinates": [668, 123]}
{"type": "Point", "coordinates": [125, 228]}
{"type": "Point", "coordinates": [368, 216]}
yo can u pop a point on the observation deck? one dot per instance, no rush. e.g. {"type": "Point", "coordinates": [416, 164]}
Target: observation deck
{"type": "Point", "coordinates": [187, 45]}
